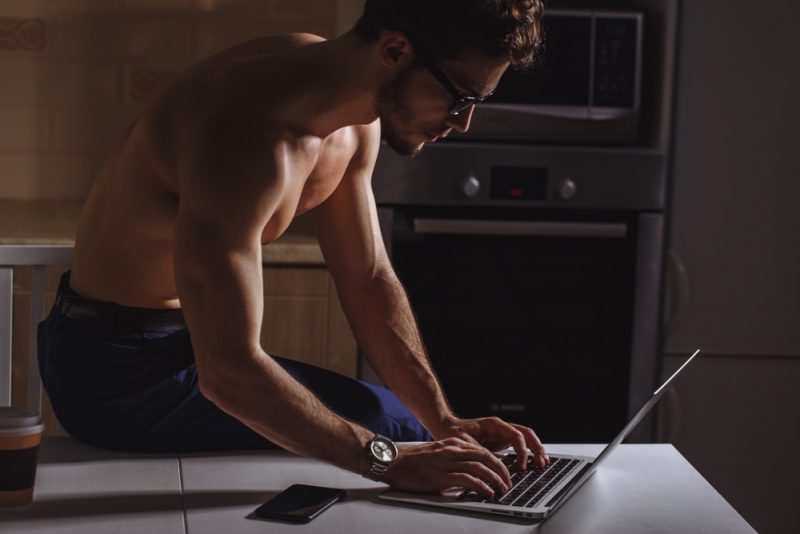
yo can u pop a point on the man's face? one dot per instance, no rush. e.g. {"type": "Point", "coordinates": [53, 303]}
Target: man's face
{"type": "Point", "coordinates": [413, 106]}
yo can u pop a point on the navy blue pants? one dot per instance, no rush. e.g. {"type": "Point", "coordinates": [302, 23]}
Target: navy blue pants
{"type": "Point", "coordinates": [139, 391]}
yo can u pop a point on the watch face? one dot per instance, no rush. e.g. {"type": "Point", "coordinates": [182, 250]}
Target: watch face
{"type": "Point", "coordinates": [382, 450]}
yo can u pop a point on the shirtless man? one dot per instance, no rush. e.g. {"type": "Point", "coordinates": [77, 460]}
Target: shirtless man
{"type": "Point", "coordinates": [153, 343]}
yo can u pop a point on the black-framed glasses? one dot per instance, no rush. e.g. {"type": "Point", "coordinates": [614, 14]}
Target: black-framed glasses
{"type": "Point", "coordinates": [461, 102]}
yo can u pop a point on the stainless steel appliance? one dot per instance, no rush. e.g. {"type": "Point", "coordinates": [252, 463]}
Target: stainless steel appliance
{"type": "Point", "coordinates": [534, 272]}
{"type": "Point", "coordinates": [585, 87]}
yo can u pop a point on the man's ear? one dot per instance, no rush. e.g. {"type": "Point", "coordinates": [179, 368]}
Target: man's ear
{"type": "Point", "coordinates": [394, 50]}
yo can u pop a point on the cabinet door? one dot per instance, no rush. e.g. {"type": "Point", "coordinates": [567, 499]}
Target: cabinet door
{"type": "Point", "coordinates": [304, 321]}
{"type": "Point", "coordinates": [736, 166]}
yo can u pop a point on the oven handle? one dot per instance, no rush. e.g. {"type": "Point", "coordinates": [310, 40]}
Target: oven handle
{"type": "Point", "coordinates": [520, 228]}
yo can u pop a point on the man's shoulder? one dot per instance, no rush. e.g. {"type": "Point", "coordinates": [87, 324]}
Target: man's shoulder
{"type": "Point", "coordinates": [368, 139]}
{"type": "Point", "coordinates": [295, 39]}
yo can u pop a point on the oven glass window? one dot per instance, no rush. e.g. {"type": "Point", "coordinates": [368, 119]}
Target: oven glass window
{"type": "Point", "coordinates": [533, 329]}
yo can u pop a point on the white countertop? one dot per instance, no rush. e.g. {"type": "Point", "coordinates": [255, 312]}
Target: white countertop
{"type": "Point", "coordinates": [640, 489]}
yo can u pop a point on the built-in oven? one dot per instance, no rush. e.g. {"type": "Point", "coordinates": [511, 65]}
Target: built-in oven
{"type": "Point", "coordinates": [534, 275]}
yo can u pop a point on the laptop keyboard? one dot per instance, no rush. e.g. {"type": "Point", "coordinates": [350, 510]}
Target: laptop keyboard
{"type": "Point", "coordinates": [530, 486]}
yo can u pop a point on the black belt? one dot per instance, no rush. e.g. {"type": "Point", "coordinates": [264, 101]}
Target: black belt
{"type": "Point", "coordinates": [121, 319]}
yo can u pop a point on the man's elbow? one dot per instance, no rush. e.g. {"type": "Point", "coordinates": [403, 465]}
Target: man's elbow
{"type": "Point", "coordinates": [219, 380]}
{"type": "Point", "coordinates": [374, 280]}
{"type": "Point", "coordinates": [212, 387]}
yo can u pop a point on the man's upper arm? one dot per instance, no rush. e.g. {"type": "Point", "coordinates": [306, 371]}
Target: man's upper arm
{"type": "Point", "coordinates": [347, 222]}
{"type": "Point", "coordinates": [229, 186]}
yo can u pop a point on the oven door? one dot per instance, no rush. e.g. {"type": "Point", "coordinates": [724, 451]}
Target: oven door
{"type": "Point", "coordinates": [529, 319]}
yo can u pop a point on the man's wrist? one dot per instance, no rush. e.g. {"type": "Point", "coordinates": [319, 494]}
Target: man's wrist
{"type": "Point", "coordinates": [440, 428]}
{"type": "Point", "coordinates": [382, 454]}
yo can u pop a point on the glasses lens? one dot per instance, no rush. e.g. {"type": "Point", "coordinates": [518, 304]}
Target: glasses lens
{"type": "Point", "coordinates": [462, 104]}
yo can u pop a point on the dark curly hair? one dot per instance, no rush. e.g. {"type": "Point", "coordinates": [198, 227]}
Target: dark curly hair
{"type": "Point", "coordinates": [510, 28]}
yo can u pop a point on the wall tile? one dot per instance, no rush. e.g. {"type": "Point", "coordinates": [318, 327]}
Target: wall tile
{"type": "Point", "coordinates": [54, 177]}
{"type": "Point", "coordinates": [143, 83]}
{"type": "Point", "coordinates": [90, 37]}
{"type": "Point", "coordinates": [16, 175]}
{"type": "Point", "coordinates": [87, 131]}
{"type": "Point", "coordinates": [310, 24]}
{"type": "Point", "coordinates": [59, 83]}
{"type": "Point", "coordinates": [302, 9]}
{"type": "Point", "coordinates": [50, 7]}
{"type": "Point", "coordinates": [21, 34]}
{"type": "Point", "coordinates": [213, 37]}
{"type": "Point", "coordinates": [68, 177]}
{"type": "Point", "coordinates": [243, 9]}
{"type": "Point", "coordinates": [60, 59]}
{"type": "Point", "coordinates": [23, 129]}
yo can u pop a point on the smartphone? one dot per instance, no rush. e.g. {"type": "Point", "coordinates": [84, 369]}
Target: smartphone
{"type": "Point", "coordinates": [299, 503]}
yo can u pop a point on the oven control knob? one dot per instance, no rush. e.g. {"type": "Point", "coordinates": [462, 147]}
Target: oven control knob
{"type": "Point", "coordinates": [471, 186]}
{"type": "Point", "coordinates": [567, 189]}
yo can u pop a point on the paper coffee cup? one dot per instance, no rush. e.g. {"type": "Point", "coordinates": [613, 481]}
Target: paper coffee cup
{"type": "Point", "coordinates": [20, 436]}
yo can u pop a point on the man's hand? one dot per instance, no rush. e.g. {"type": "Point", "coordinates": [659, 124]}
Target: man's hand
{"type": "Point", "coordinates": [495, 434]}
{"type": "Point", "coordinates": [439, 465]}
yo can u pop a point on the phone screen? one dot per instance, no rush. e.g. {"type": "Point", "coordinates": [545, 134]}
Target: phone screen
{"type": "Point", "coordinates": [299, 503]}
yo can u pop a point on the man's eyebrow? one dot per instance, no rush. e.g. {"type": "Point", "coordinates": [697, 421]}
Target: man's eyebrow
{"type": "Point", "coordinates": [474, 91]}
{"type": "Point", "coordinates": [478, 90]}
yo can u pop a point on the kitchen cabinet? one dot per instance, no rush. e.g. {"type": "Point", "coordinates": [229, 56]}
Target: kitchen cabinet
{"type": "Point", "coordinates": [733, 287]}
{"type": "Point", "coordinates": [304, 320]}
{"type": "Point", "coordinates": [736, 180]}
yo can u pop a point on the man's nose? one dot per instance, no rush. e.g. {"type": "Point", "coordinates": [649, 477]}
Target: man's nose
{"type": "Point", "coordinates": [461, 121]}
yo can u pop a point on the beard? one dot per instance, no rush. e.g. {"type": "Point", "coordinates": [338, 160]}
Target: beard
{"type": "Point", "coordinates": [394, 111]}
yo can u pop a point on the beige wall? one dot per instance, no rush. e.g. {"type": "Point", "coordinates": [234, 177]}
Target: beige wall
{"type": "Point", "coordinates": [75, 72]}
{"type": "Point", "coordinates": [347, 14]}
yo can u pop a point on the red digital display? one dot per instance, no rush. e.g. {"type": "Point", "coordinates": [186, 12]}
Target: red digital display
{"type": "Point", "coordinates": [518, 183]}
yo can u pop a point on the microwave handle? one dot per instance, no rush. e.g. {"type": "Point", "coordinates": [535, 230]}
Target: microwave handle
{"type": "Point", "coordinates": [520, 228]}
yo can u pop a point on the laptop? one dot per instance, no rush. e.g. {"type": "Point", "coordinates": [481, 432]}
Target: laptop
{"type": "Point", "coordinates": [535, 493]}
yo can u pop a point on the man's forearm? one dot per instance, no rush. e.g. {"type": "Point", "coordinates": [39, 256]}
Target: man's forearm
{"type": "Point", "coordinates": [221, 296]}
{"type": "Point", "coordinates": [262, 395]}
{"type": "Point", "coordinates": [386, 328]}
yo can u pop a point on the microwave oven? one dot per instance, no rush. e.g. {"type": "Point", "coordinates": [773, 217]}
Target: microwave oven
{"type": "Point", "coordinates": [584, 88]}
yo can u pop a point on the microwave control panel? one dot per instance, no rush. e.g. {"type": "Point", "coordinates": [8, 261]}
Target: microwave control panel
{"type": "Point", "coordinates": [615, 62]}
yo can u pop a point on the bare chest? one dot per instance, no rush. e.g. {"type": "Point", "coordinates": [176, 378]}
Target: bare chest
{"type": "Point", "coordinates": [312, 183]}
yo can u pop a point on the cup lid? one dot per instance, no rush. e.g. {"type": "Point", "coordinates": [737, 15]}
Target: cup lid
{"type": "Point", "coordinates": [11, 418]}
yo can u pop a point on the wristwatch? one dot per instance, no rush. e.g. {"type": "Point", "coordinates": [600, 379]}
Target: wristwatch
{"type": "Point", "coordinates": [382, 454]}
